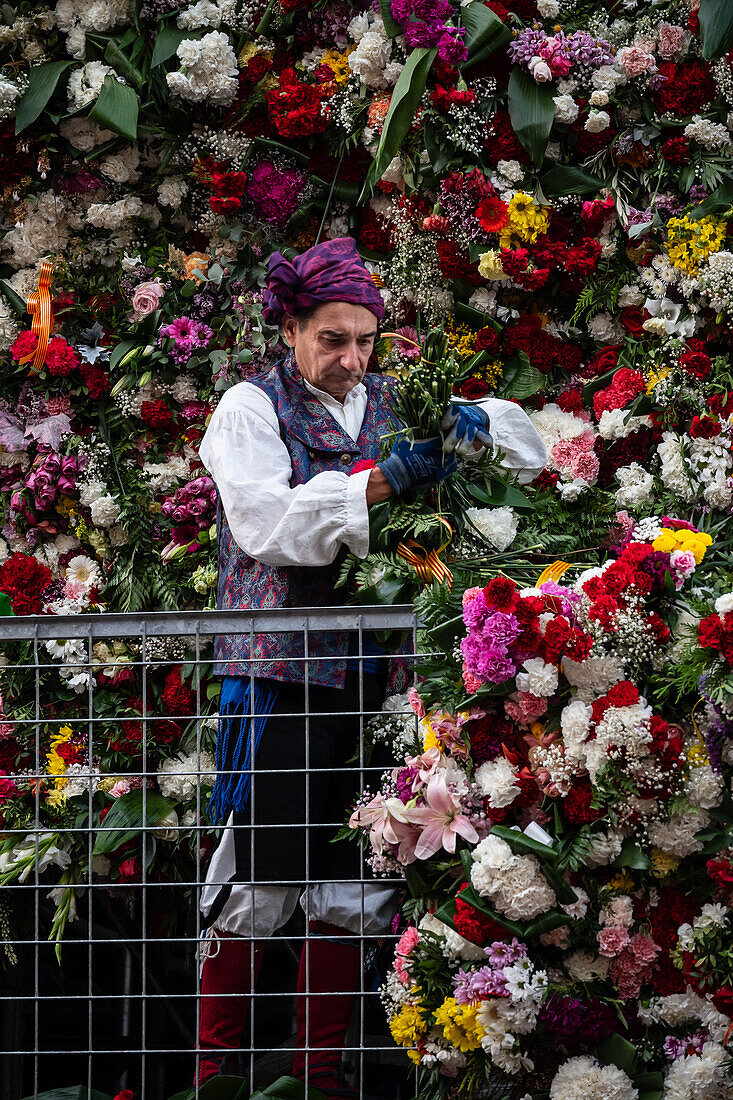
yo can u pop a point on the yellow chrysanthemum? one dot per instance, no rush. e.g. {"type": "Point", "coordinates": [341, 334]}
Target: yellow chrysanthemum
{"type": "Point", "coordinates": [526, 220]}
{"type": "Point", "coordinates": [690, 243]}
{"type": "Point", "coordinates": [622, 883]}
{"type": "Point", "coordinates": [56, 766]}
{"type": "Point", "coordinates": [663, 864]}
{"type": "Point", "coordinates": [459, 1024]}
{"type": "Point", "coordinates": [338, 63]}
{"type": "Point", "coordinates": [665, 542]}
{"type": "Point", "coordinates": [408, 1026]}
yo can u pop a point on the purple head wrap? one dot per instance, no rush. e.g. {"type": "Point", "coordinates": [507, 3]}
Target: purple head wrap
{"type": "Point", "coordinates": [329, 272]}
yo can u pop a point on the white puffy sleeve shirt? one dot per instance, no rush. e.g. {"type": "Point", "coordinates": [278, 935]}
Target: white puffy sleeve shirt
{"type": "Point", "coordinates": [307, 524]}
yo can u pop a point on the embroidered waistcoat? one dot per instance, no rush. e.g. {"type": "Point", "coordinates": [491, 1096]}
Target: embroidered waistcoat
{"type": "Point", "coordinates": [315, 442]}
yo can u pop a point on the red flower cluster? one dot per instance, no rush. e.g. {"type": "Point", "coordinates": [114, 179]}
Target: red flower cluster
{"type": "Point", "coordinates": [156, 414]}
{"type": "Point", "coordinates": [227, 191]}
{"type": "Point", "coordinates": [295, 107]}
{"type": "Point", "coordinates": [25, 579]}
{"type": "Point", "coordinates": [528, 335]}
{"type": "Point", "coordinates": [686, 87]}
{"type": "Point", "coordinates": [474, 926]}
{"type": "Point", "coordinates": [454, 263]}
{"type": "Point", "coordinates": [501, 143]}
{"type": "Point", "coordinates": [716, 632]}
{"type": "Point", "coordinates": [178, 699]}
{"type": "Point", "coordinates": [445, 98]}
{"type": "Point", "coordinates": [626, 385]}
{"type": "Point", "coordinates": [61, 359]}
{"type": "Point", "coordinates": [622, 580]}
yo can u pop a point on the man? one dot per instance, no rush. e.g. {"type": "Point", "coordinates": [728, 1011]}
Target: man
{"type": "Point", "coordinates": [280, 449]}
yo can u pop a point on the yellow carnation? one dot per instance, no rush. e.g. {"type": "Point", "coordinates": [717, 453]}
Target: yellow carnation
{"type": "Point", "coordinates": [489, 265]}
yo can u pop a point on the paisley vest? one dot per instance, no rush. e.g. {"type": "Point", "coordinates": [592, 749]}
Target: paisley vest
{"type": "Point", "coordinates": [315, 442]}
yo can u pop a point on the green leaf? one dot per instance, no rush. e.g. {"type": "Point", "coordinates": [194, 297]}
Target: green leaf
{"type": "Point", "coordinates": [716, 27]}
{"type": "Point", "coordinates": [402, 109]}
{"type": "Point", "coordinates": [632, 856]}
{"type": "Point", "coordinates": [120, 351]}
{"type": "Point", "coordinates": [721, 197]}
{"type": "Point", "coordinates": [217, 1088]}
{"type": "Point", "coordinates": [42, 81]}
{"type": "Point", "coordinates": [6, 608]}
{"type": "Point", "coordinates": [565, 179]}
{"type": "Point", "coordinates": [125, 820]}
{"type": "Point", "coordinates": [116, 108]}
{"type": "Point", "coordinates": [168, 40]}
{"type": "Point", "coordinates": [531, 110]}
{"type": "Point", "coordinates": [500, 495]}
{"type": "Point", "coordinates": [485, 32]}
{"type": "Point", "coordinates": [521, 379]}
{"type": "Point", "coordinates": [289, 1088]}
{"type": "Point", "coordinates": [619, 1052]}
{"type": "Point", "coordinates": [119, 61]}
{"type": "Point", "coordinates": [524, 845]}
{"type": "Point", "coordinates": [391, 27]}
{"type": "Point", "coordinates": [15, 299]}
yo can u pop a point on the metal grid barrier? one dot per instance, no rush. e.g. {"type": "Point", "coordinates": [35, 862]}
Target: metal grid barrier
{"type": "Point", "coordinates": [117, 1004]}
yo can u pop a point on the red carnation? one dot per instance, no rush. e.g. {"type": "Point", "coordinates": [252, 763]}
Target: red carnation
{"type": "Point", "coordinates": [476, 927]}
{"type": "Point", "coordinates": [24, 579]}
{"type": "Point", "coordinates": [696, 363]}
{"type": "Point", "coordinates": [95, 380]}
{"type": "Point", "coordinates": [710, 632]}
{"type": "Point", "coordinates": [61, 359]}
{"type": "Point", "coordinates": [577, 806]}
{"type": "Point", "coordinates": [177, 697]}
{"type": "Point", "coordinates": [501, 143]}
{"type": "Point", "coordinates": [623, 694]}
{"type": "Point", "coordinates": [721, 872]}
{"type": "Point", "coordinates": [676, 150]}
{"type": "Point", "coordinates": [23, 345]}
{"type": "Point", "coordinates": [687, 87]}
{"type": "Point", "coordinates": [454, 263]}
{"type": "Point", "coordinates": [570, 356]}
{"type": "Point", "coordinates": [157, 414]}
{"type": "Point", "coordinates": [501, 593]}
{"type": "Point", "coordinates": [557, 633]}
{"type": "Point", "coordinates": [579, 645]}
{"type": "Point", "coordinates": [705, 427]}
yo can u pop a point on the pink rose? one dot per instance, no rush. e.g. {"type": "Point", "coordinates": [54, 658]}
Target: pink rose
{"type": "Point", "coordinates": [612, 940]}
{"type": "Point", "coordinates": [672, 40]}
{"type": "Point", "coordinates": [145, 299]}
{"type": "Point", "coordinates": [586, 465]}
{"type": "Point", "coordinates": [635, 61]}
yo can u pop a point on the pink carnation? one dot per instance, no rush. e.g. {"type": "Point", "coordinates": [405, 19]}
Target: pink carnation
{"type": "Point", "coordinates": [416, 702]}
{"type": "Point", "coordinates": [525, 708]}
{"type": "Point", "coordinates": [644, 949]}
{"type": "Point", "coordinates": [612, 940]}
{"type": "Point", "coordinates": [471, 682]}
{"type": "Point", "coordinates": [672, 40]}
{"type": "Point", "coordinates": [586, 465]}
{"type": "Point", "coordinates": [407, 944]}
{"type": "Point", "coordinates": [635, 61]}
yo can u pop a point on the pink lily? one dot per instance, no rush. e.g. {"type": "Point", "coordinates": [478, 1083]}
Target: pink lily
{"type": "Point", "coordinates": [425, 764]}
{"type": "Point", "coordinates": [441, 820]}
{"type": "Point", "coordinates": [385, 818]}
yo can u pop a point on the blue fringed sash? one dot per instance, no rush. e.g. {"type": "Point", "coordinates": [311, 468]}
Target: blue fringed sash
{"type": "Point", "coordinates": [244, 708]}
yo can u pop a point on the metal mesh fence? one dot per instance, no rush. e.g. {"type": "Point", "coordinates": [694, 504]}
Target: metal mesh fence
{"type": "Point", "coordinates": [112, 976]}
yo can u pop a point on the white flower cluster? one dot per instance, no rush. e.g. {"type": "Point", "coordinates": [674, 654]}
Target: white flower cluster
{"type": "Point", "coordinates": [43, 231]}
{"type": "Point", "coordinates": [114, 215]}
{"type": "Point", "coordinates": [701, 1076]}
{"type": "Point", "coordinates": [635, 485]}
{"type": "Point", "coordinates": [181, 776]}
{"type": "Point", "coordinates": [584, 1078]}
{"type": "Point", "coordinates": [503, 1018]}
{"type": "Point", "coordinates": [372, 60]}
{"type": "Point", "coordinates": [498, 526]}
{"type": "Point", "coordinates": [678, 836]}
{"type": "Point", "coordinates": [716, 281]}
{"type": "Point", "coordinates": [204, 14]}
{"type": "Point", "coordinates": [499, 782]}
{"type": "Point", "coordinates": [617, 424]}
{"type": "Point", "coordinates": [208, 71]}
{"type": "Point", "coordinates": [76, 17]}
{"type": "Point", "coordinates": [514, 884]}
{"type": "Point", "coordinates": [9, 92]}
{"type": "Point", "coordinates": [538, 678]}
{"type": "Point", "coordinates": [85, 84]}
{"type": "Point", "coordinates": [711, 135]}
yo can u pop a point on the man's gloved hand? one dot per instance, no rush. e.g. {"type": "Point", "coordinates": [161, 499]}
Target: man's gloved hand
{"type": "Point", "coordinates": [465, 425]}
{"type": "Point", "coordinates": [416, 465]}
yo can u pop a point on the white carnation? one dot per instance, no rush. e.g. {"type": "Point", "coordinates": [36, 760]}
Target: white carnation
{"type": "Point", "coordinates": [498, 526]}
{"type": "Point", "coordinates": [538, 678]}
{"type": "Point", "coordinates": [499, 782]}
{"type": "Point", "coordinates": [180, 776]}
{"type": "Point", "coordinates": [566, 109]}
{"type": "Point", "coordinates": [210, 74]}
{"type": "Point", "coordinates": [85, 84]}
{"type": "Point", "coordinates": [171, 191]}
{"type": "Point", "coordinates": [105, 511]}
{"type": "Point", "coordinates": [584, 1078]}
{"type": "Point", "coordinates": [705, 787]}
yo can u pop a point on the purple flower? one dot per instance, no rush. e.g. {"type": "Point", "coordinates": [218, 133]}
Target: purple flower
{"type": "Point", "coordinates": [472, 986]}
{"type": "Point", "coordinates": [501, 629]}
{"type": "Point", "coordinates": [420, 35]}
{"type": "Point", "coordinates": [187, 335]}
{"type": "Point", "coordinates": [452, 48]}
{"type": "Point", "coordinates": [274, 192]}
{"type": "Point", "coordinates": [475, 611]}
{"type": "Point", "coordinates": [502, 954]}
{"type": "Point", "coordinates": [494, 666]}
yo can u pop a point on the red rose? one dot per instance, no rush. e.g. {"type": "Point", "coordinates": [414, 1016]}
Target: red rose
{"type": "Point", "coordinates": [605, 359]}
{"type": "Point", "coordinates": [61, 359]}
{"type": "Point", "coordinates": [632, 318]}
{"type": "Point", "coordinates": [486, 339]}
{"type": "Point", "coordinates": [474, 388]}
{"type": "Point", "coordinates": [24, 579]}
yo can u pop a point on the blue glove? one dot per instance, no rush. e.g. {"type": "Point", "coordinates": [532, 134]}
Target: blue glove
{"type": "Point", "coordinates": [465, 425]}
{"type": "Point", "coordinates": [416, 465]}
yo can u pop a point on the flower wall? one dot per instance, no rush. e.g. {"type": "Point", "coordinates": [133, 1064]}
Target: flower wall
{"type": "Point", "coordinates": [550, 179]}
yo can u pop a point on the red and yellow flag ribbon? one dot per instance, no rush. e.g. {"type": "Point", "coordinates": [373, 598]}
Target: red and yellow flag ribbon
{"type": "Point", "coordinates": [553, 572]}
{"type": "Point", "coordinates": [427, 563]}
{"type": "Point", "coordinates": [39, 307]}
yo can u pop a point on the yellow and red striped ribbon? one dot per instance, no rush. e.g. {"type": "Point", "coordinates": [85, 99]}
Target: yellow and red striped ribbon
{"type": "Point", "coordinates": [427, 563]}
{"type": "Point", "coordinates": [39, 307]}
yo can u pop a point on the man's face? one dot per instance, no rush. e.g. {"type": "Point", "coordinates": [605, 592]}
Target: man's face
{"type": "Point", "coordinates": [333, 348]}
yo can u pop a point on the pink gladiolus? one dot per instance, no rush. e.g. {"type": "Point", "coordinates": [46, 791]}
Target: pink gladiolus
{"type": "Point", "coordinates": [441, 820]}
